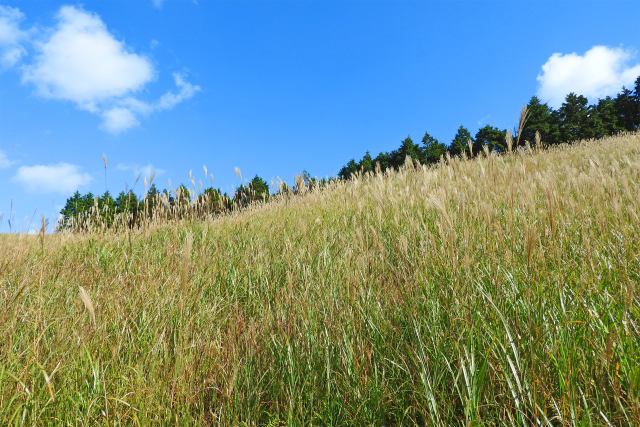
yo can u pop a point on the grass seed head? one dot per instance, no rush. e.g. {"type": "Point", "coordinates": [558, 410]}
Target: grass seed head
{"type": "Point", "coordinates": [509, 139]}
{"type": "Point", "coordinates": [524, 116]}
{"type": "Point", "coordinates": [88, 304]}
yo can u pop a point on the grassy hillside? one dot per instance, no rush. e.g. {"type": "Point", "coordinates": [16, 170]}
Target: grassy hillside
{"type": "Point", "coordinates": [499, 290]}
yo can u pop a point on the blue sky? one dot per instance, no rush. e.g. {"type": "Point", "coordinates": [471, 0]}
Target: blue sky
{"type": "Point", "coordinates": [273, 87]}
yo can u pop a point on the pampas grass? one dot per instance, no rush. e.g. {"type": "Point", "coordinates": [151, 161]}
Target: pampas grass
{"type": "Point", "coordinates": [509, 140]}
{"type": "Point", "coordinates": [501, 290]}
{"type": "Point", "coordinates": [88, 303]}
{"type": "Point", "coordinates": [524, 116]}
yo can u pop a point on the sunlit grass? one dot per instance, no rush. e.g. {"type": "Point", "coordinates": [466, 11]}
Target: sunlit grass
{"type": "Point", "coordinates": [497, 290]}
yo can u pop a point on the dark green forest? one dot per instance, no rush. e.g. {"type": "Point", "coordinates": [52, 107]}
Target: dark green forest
{"type": "Point", "coordinates": [575, 120]}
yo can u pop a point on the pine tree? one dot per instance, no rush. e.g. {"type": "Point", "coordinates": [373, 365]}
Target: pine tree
{"type": "Point", "coordinates": [493, 137]}
{"type": "Point", "coordinates": [407, 149]}
{"type": "Point", "coordinates": [573, 115]}
{"type": "Point", "coordinates": [627, 110]}
{"type": "Point", "coordinates": [366, 164]}
{"type": "Point", "coordinates": [432, 149]}
{"type": "Point", "coordinates": [459, 144]}
{"type": "Point", "coordinates": [539, 120]}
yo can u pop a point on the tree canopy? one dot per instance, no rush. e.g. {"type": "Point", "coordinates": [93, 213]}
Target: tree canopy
{"type": "Point", "coordinates": [575, 119]}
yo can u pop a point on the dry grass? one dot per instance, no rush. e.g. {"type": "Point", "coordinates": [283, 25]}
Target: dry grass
{"type": "Point", "coordinates": [498, 290]}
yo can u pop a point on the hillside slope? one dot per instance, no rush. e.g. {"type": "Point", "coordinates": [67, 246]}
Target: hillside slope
{"type": "Point", "coordinates": [503, 289]}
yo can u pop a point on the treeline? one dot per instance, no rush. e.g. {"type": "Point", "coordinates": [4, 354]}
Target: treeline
{"type": "Point", "coordinates": [89, 212]}
{"type": "Point", "coordinates": [574, 120]}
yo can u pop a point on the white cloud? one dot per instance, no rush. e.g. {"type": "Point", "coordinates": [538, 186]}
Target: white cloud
{"type": "Point", "coordinates": [4, 161]}
{"type": "Point", "coordinates": [80, 61]}
{"type": "Point", "coordinates": [157, 3]}
{"type": "Point", "coordinates": [144, 171]}
{"type": "Point", "coordinates": [125, 114]}
{"type": "Point", "coordinates": [170, 99]}
{"type": "Point", "coordinates": [600, 72]}
{"type": "Point", "coordinates": [11, 36]}
{"type": "Point", "coordinates": [83, 63]}
{"type": "Point", "coordinates": [60, 178]}
{"type": "Point", "coordinates": [116, 120]}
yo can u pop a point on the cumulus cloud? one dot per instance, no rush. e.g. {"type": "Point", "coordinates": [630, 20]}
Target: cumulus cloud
{"type": "Point", "coordinates": [600, 72]}
{"type": "Point", "coordinates": [62, 178]}
{"type": "Point", "coordinates": [11, 36]}
{"type": "Point", "coordinates": [4, 161]}
{"type": "Point", "coordinates": [82, 62]}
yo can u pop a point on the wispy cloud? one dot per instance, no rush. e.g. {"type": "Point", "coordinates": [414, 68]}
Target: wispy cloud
{"type": "Point", "coordinates": [4, 161]}
{"type": "Point", "coordinates": [171, 99]}
{"type": "Point", "coordinates": [137, 170]}
{"type": "Point", "coordinates": [125, 114]}
{"type": "Point", "coordinates": [11, 36]}
{"type": "Point", "coordinates": [484, 120]}
{"type": "Point", "coordinates": [601, 71]}
{"type": "Point", "coordinates": [62, 178]}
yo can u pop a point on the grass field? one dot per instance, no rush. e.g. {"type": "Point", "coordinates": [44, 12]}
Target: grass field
{"type": "Point", "coordinates": [503, 289]}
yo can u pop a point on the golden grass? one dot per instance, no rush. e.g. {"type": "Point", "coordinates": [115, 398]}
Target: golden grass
{"type": "Point", "coordinates": [497, 290]}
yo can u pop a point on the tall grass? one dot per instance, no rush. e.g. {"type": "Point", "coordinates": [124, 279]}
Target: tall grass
{"type": "Point", "coordinates": [501, 290]}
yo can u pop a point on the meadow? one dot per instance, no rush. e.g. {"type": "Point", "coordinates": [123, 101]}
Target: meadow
{"type": "Point", "coordinates": [498, 290]}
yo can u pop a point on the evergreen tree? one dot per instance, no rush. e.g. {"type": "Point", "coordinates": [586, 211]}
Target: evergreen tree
{"type": "Point", "coordinates": [432, 149]}
{"type": "Point", "coordinates": [72, 206]}
{"type": "Point", "coordinates": [407, 149]}
{"type": "Point", "coordinates": [349, 169]}
{"type": "Point", "coordinates": [366, 164]}
{"type": "Point", "coordinates": [539, 120]}
{"type": "Point", "coordinates": [574, 117]}
{"type": "Point", "coordinates": [490, 136]}
{"type": "Point", "coordinates": [107, 208]}
{"type": "Point", "coordinates": [127, 202]}
{"type": "Point", "coordinates": [256, 190]}
{"type": "Point", "coordinates": [72, 210]}
{"type": "Point", "coordinates": [627, 110]}
{"type": "Point", "coordinates": [384, 160]}
{"type": "Point", "coordinates": [603, 118]}
{"type": "Point", "coordinates": [636, 99]}
{"type": "Point", "coordinates": [460, 144]}
{"type": "Point", "coordinates": [259, 189]}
